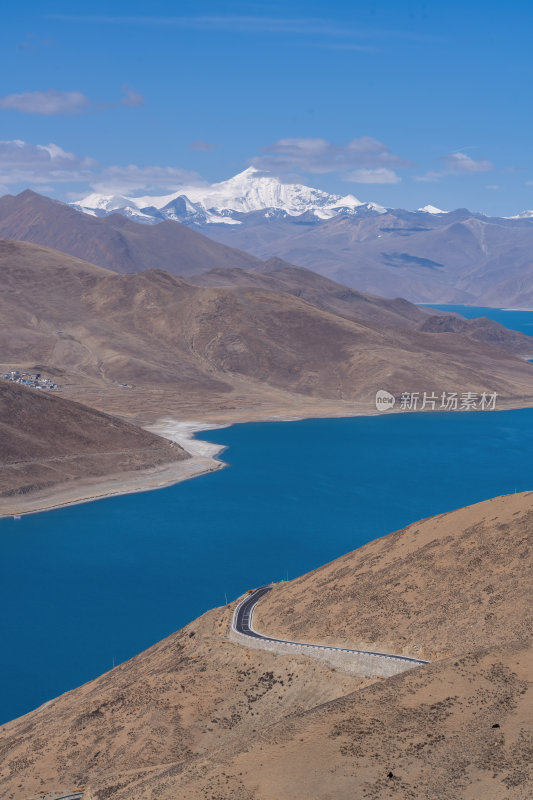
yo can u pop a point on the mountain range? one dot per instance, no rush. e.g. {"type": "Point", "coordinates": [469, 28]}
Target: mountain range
{"type": "Point", "coordinates": [226, 202]}
{"type": "Point", "coordinates": [114, 242]}
{"type": "Point", "coordinates": [282, 339]}
{"type": "Point", "coordinates": [425, 256]}
{"type": "Point", "coordinates": [458, 257]}
{"type": "Point", "coordinates": [276, 274]}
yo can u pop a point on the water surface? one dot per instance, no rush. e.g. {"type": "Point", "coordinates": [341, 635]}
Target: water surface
{"type": "Point", "coordinates": [516, 319]}
{"type": "Point", "coordinates": [84, 585]}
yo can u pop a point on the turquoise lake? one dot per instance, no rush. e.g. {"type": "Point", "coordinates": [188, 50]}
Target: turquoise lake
{"type": "Point", "coordinates": [86, 585]}
{"type": "Point", "coordinates": [518, 319]}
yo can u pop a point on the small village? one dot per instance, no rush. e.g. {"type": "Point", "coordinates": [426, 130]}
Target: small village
{"type": "Point", "coordinates": [32, 380]}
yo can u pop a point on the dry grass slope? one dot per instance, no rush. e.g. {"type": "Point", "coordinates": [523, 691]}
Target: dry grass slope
{"type": "Point", "coordinates": [198, 717]}
{"type": "Point", "coordinates": [114, 242]}
{"type": "Point", "coordinates": [443, 586]}
{"type": "Point", "coordinates": [46, 441]}
{"type": "Point", "coordinates": [229, 349]}
{"type": "Point", "coordinates": [324, 293]}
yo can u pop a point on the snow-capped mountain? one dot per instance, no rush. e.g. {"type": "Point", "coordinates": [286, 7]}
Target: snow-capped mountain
{"type": "Point", "coordinates": [224, 202]}
{"type": "Point", "coordinates": [241, 199]}
{"type": "Point", "coordinates": [522, 215]}
{"type": "Point", "coordinates": [432, 210]}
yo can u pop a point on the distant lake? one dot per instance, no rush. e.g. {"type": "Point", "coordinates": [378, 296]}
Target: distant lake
{"type": "Point", "coordinates": [515, 319]}
{"type": "Point", "coordinates": [84, 585]}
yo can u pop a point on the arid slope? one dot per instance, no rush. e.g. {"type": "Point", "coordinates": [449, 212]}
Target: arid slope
{"type": "Point", "coordinates": [151, 342]}
{"type": "Point", "coordinates": [460, 257]}
{"type": "Point", "coordinates": [198, 717]}
{"type": "Point", "coordinates": [420, 590]}
{"type": "Point", "coordinates": [114, 242]}
{"type": "Point", "coordinates": [324, 293]}
{"type": "Point", "coordinates": [46, 441]}
{"type": "Point", "coordinates": [277, 275]}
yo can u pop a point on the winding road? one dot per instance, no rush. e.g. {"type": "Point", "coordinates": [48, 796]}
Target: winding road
{"type": "Point", "coordinates": [243, 618]}
{"type": "Point", "coordinates": [75, 796]}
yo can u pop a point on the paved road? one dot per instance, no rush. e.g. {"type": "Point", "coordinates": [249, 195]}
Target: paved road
{"type": "Point", "coordinates": [243, 618]}
{"type": "Point", "coordinates": [75, 796]}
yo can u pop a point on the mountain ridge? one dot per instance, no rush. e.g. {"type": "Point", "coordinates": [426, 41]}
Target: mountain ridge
{"type": "Point", "coordinates": [113, 242]}
{"type": "Point", "coordinates": [345, 301]}
{"type": "Point", "coordinates": [251, 350]}
{"type": "Point", "coordinates": [457, 257]}
{"type": "Point", "coordinates": [425, 257]}
{"type": "Point", "coordinates": [249, 191]}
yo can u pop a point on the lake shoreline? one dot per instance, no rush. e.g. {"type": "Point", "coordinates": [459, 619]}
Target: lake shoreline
{"type": "Point", "coordinates": [204, 459]}
{"type": "Point", "coordinates": [104, 581]}
{"type": "Point", "coordinates": [113, 485]}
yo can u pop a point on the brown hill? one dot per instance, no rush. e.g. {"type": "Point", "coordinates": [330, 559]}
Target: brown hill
{"type": "Point", "coordinates": [458, 257]}
{"type": "Point", "coordinates": [113, 242]}
{"type": "Point", "coordinates": [481, 329]}
{"type": "Point", "coordinates": [324, 293]}
{"type": "Point", "coordinates": [46, 441]}
{"type": "Point", "coordinates": [198, 716]}
{"type": "Point", "coordinates": [219, 350]}
{"type": "Point", "coordinates": [457, 730]}
{"type": "Point", "coordinates": [412, 592]}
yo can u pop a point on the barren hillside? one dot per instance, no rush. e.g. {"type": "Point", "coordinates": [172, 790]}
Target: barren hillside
{"type": "Point", "coordinates": [151, 342]}
{"type": "Point", "coordinates": [197, 716]}
{"type": "Point", "coordinates": [114, 242]}
{"type": "Point", "coordinates": [419, 591]}
{"type": "Point", "coordinates": [46, 441]}
{"type": "Point", "coordinates": [329, 295]}
{"type": "Point", "coordinates": [459, 257]}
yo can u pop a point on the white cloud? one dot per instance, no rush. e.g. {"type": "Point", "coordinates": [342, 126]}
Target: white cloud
{"type": "Point", "coordinates": [321, 156]}
{"type": "Point", "coordinates": [300, 26]}
{"type": "Point", "coordinates": [461, 164]}
{"type": "Point", "coordinates": [26, 164]}
{"type": "Point", "coordinates": [457, 164]}
{"type": "Point", "coordinates": [380, 175]}
{"type": "Point", "coordinates": [132, 178]}
{"type": "Point", "coordinates": [429, 176]}
{"type": "Point", "coordinates": [53, 102]}
{"type": "Point", "coordinates": [49, 102]}
{"type": "Point", "coordinates": [131, 98]}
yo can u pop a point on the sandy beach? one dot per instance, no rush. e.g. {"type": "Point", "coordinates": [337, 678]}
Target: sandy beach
{"type": "Point", "coordinates": [183, 433]}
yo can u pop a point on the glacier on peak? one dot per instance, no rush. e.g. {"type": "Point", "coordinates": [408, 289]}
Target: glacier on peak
{"type": "Point", "coordinates": [248, 191]}
{"type": "Point", "coordinates": [229, 202]}
{"type": "Point", "coordinates": [431, 210]}
{"type": "Point", "coordinates": [523, 215]}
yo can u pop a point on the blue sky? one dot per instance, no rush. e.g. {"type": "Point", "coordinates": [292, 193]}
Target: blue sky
{"type": "Point", "coordinates": [403, 103]}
